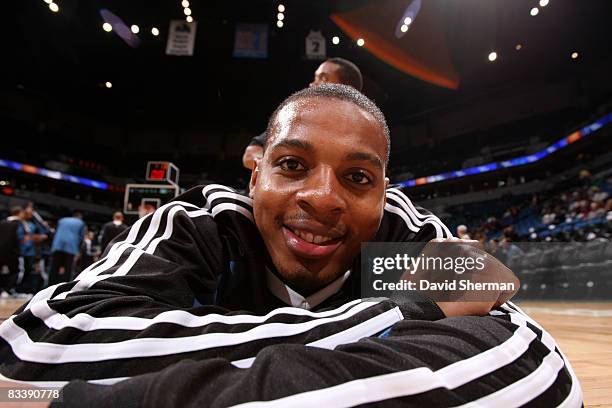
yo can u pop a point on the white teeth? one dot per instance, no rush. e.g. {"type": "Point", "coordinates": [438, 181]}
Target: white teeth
{"type": "Point", "coordinates": [318, 239]}
{"type": "Point", "coordinates": [315, 239]}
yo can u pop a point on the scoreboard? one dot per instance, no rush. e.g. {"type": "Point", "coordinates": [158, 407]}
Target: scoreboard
{"type": "Point", "coordinates": [162, 171]}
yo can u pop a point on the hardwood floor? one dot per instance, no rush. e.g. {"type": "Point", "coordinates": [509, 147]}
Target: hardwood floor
{"type": "Point", "coordinates": [582, 330]}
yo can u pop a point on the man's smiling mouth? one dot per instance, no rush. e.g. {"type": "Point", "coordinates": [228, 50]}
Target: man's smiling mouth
{"type": "Point", "coordinates": [309, 243]}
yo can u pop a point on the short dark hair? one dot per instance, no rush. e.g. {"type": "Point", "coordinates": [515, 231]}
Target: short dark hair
{"type": "Point", "coordinates": [349, 73]}
{"type": "Point", "coordinates": [16, 210]}
{"type": "Point", "coordinates": [334, 91]}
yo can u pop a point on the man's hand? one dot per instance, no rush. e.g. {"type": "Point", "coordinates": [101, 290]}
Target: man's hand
{"type": "Point", "coordinates": [493, 272]}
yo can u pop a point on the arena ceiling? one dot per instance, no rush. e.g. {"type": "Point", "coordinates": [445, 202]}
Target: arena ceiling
{"type": "Point", "coordinates": [66, 57]}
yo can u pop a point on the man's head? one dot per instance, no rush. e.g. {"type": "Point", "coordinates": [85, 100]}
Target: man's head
{"type": "Point", "coordinates": [28, 213]}
{"type": "Point", "coordinates": [77, 214]}
{"type": "Point", "coordinates": [319, 190]}
{"type": "Point", "coordinates": [17, 211]}
{"type": "Point", "coordinates": [118, 216]}
{"type": "Point", "coordinates": [338, 71]}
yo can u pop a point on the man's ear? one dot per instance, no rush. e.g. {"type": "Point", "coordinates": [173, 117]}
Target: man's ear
{"type": "Point", "coordinates": [386, 187]}
{"type": "Point", "coordinates": [254, 175]}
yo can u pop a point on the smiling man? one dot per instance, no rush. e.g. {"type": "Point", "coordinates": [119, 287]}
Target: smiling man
{"type": "Point", "coordinates": [319, 190]}
{"type": "Point", "coordinates": [158, 320]}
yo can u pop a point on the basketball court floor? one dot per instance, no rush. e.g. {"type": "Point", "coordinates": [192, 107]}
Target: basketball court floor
{"type": "Point", "coordinates": [582, 330]}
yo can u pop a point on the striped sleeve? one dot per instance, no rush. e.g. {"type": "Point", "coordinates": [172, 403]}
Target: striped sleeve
{"type": "Point", "coordinates": [404, 221]}
{"type": "Point", "coordinates": [503, 359]}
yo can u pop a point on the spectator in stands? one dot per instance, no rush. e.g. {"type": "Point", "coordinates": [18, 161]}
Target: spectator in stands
{"type": "Point", "coordinates": [462, 232]}
{"type": "Point", "coordinates": [66, 246]}
{"type": "Point", "coordinates": [30, 234]}
{"type": "Point", "coordinates": [111, 229]}
{"type": "Point", "coordinates": [608, 206]}
{"type": "Point", "coordinates": [596, 210]}
{"type": "Point", "coordinates": [548, 217]}
{"type": "Point", "coordinates": [9, 252]}
{"type": "Point", "coordinates": [598, 195]}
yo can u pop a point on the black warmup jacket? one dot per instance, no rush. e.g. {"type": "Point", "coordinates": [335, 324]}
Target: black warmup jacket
{"type": "Point", "coordinates": [180, 312]}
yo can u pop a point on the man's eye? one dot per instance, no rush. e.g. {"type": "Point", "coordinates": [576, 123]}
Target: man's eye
{"type": "Point", "coordinates": [291, 165]}
{"type": "Point", "coordinates": [359, 178]}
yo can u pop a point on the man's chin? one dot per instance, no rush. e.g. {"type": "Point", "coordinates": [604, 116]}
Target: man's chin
{"type": "Point", "coordinates": [307, 280]}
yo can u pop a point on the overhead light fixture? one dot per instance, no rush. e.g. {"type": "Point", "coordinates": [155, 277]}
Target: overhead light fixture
{"type": "Point", "coordinates": [404, 28]}
{"type": "Point", "coordinates": [108, 84]}
{"type": "Point", "coordinates": [135, 29]}
{"type": "Point", "coordinates": [279, 24]}
{"type": "Point", "coordinates": [187, 11]}
{"type": "Point", "coordinates": [189, 19]}
{"type": "Point", "coordinates": [574, 55]}
{"type": "Point", "coordinates": [107, 27]}
{"type": "Point", "coordinates": [518, 46]}
{"type": "Point", "coordinates": [407, 21]}
{"type": "Point", "coordinates": [335, 40]}
{"type": "Point", "coordinates": [155, 31]}
{"type": "Point", "coordinates": [543, 3]}
{"type": "Point", "coordinates": [48, 1]}
{"type": "Point", "coordinates": [281, 8]}
{"type": "Point", "coordinates": [53, 7]}
{"type": "Point", "coordinates": [185, 3]}
{"type": "Point", "coordinates": [492, 56]}
{"type": "Point", "coordinates": [534, 11]}
{"type": "Point", "coordinates": [360, 42]}
{"type": "Point", "coordinates": [280, 16]}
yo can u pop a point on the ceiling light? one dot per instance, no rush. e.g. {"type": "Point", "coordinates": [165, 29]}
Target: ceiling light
{"type": "Point", "coordinates": [492, 56]}
{"type": "Point", "coordinates": [281, 8]}
{"type": "Point", "coordinates": [518, 46]}
{"type": "Point", "coordinates": [48, 1]}
{"type": "Point", "coordinates": [187, 11]}
{"type": "Point", "coordinates": [279, 24]}
{"type": "Point", "coordinates": [189, 19]}
{"type": "Point", "coordinates": [543, 3]}
{"type": "Point", "coordinates": [135, 29]}
{"type": "Point", "coordinates": [335, 40]}
{"type": "Point", "coordinates": [108, 84]}
{"type": "Point", "coordinates": [404, 28]}
{"type": "Point", "coordinates": [534, 11]}
{"type": "Point", "coordinates": [280, 16]}
{"type": "Point", "coordinates": [107, 27]}
{"type": "Point", "coordinates": [185, 3]}
{"type": "Point", "coordinates": [574, 55]}
{"type": "Point", "coordinates": [360, 42]}
{"type": "Point", "coordinates": [155, 31]}
{"type": "Point", "coordinates": [53, 7]}
{"type": "Point", "coordinates": [407, 21]}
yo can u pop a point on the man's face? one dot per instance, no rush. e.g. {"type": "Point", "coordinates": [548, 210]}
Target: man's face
{"type": "Point", "coordinates": [319, 190]}
{"type": "Point", "coordinates": [326, 73]}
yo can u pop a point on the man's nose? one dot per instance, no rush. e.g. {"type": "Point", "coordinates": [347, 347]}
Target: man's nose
{"type": "Point", "coordinates": [322, 195]}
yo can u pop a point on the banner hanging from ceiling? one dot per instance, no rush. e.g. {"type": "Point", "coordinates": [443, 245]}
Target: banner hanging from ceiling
{"type": "Point", "coordinates": [315, 46]}
{"type": "Point", "coordinates": [251, 41]}
{"type": "Point", "coordinates": [181, 38]}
